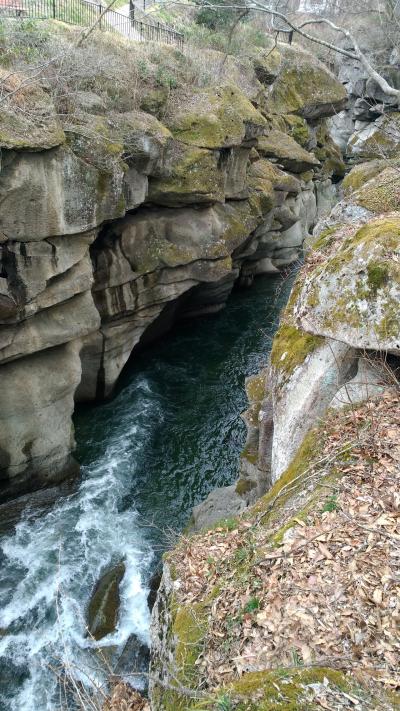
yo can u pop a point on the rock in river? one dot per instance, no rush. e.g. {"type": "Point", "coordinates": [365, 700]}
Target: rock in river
{"type": "Point", "coordinates": [103, 609]}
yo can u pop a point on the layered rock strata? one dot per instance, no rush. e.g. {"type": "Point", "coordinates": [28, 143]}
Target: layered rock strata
{"type": "Point", "coordinates": [114, 224]}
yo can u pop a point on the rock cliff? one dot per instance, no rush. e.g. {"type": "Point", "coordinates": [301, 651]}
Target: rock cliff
{"type": "Point", "coordinates": [115, 221]}
{"type": "Point", "coordinates": [254, 612]}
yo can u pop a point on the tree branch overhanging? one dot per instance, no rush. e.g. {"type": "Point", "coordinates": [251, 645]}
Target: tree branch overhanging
{"type": "Point", "coordinates": [356, 53]}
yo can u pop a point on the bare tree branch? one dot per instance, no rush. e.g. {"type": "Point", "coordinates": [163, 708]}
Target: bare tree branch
{"type": "Point", "coordinates": [258, 6]}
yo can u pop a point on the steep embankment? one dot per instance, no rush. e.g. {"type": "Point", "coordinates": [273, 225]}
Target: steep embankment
{"type": "Point", "coordinates": [295, 604]}
{"type": "Point", "coordinates": [135, 187]}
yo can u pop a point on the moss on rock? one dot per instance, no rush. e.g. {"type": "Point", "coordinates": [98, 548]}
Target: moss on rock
{"type": "Point", "coordinates": [262, 174]}
{"type": "Point", "coordinates": [354, 295]}
{"type": "Point", "coordinates": [216, 118]}
{"type": "Point", "coordinates": [298, 129]}
{"type": "Point", "coordinates": [286, 151]}
{"type": "Point", "coordinates": [362, 173]}
{"type": "Point", "coordinates": [291, 347]}
{"type": "Point", "coordinates": [284, 689]}
{"type": "Point", "coordinates": [307, 89]}
{"type": "Point", "coordinates": [190, 175]}
{"type": "Point", "coordinates": [378, 140]}
{"type": "Point", "coordinates": [381, 193]}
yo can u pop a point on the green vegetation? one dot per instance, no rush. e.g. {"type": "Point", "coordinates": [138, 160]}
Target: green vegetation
{"type": "Point", "coordinates": [291, 347]}
{"type": "Point", "coordinates": [330, 504]}
{"type": "Point", "coordinates": [252, 605]}
{"type": "Point", "coordinates": [378, 275]}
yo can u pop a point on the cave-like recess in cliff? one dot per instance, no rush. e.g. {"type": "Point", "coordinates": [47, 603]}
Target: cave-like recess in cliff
{"type": "Point", "coordinates": [171, 433]}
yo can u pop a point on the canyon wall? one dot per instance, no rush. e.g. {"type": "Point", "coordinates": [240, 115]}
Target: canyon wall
{"type": "Point", "coordinates": [254, 609]}
{"type": "Point", "coordinates": [115, 223]}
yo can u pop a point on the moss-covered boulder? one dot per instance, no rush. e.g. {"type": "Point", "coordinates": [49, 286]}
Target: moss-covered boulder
{"type": "Point", "coordinates": [28, 118]}
{"type": "Point", "coordinates": [142, 136]}
{"type": "Point", "coordinates": [363, 172]}
{"type": "Point", "coordinates": [286, 151]}
{"type": "Point", "coordinates": [305, 87]}
{"type": "Point", "coordinates": [103, 610]}
{"type": "Point", "coordinates": [377, 140]}
{"type": "Point", "coordinates": [382, 192]}
{"type": "Point", "coordinates": [354, 296]}
{"type": "Point", "coordinates": [216, 118]}
{"type": "Point", "coordinates": [263, 174]}
{"type": "Point", "coordinates": [188, 175]}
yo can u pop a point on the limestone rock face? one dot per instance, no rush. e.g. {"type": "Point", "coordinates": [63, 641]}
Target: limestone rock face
{"type": "Point", "coordinates": [380, 139]}
{"type": "Point", "coordinates": [299, 401]}
{"type": "Point", "coordinates": [151, 259]}
{"type": "Point", "coordinates": [344, 313]}
{"type": "Point", "coordinates": [56, 193]}
{"type": "Point", "coordinates": [114, 224]}
{"type": "Point", "coordinates": [36, 405]}
{"type": "Point", "coordinates": [286, 151]}
{"type": "Point", "coordinates": [188, 175]}
{"type": "Point", "coordinates": [354, 297]}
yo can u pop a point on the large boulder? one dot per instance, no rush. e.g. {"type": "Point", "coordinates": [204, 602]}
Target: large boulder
{"type": "Point", "coordinates": [103, 609]}
{"type": "Point", "coordinates": [353, 297]}
{"type": "Point", "coordinates": [305, 87]}
{"type": "Point", "coordinates": [381, 193]}
{"type": "Point", "coordinates": [216, 118]}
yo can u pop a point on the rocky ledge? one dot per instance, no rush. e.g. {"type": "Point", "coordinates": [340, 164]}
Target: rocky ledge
{"type": "Point", "coordinates": [254, 612]}
{"type": "Point", "coordinates": [129, 213]}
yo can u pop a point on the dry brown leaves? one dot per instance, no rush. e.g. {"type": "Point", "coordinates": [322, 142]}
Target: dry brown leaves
{"type": "Point", "coordinates": [124, 698]}
{"type": "Point", "coordinates": [330, 593]}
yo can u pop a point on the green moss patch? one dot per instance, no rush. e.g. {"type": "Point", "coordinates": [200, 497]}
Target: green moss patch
{"type": "Point", "coordinates": [307, 90]}
{"type": "Point", "coordinates": [382, 193]}
{"type": "Point", "coordinates": [216, 118]}
{"type": "Point", "coordinates": [291, 347]}
{"type": "Point", "coordinates": [284, 689]}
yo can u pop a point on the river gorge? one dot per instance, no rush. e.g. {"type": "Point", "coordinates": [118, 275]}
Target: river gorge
{"type": "Point", "coordinates": [169, 436]}
{"type": "Point", "coordinates": [199, 325]}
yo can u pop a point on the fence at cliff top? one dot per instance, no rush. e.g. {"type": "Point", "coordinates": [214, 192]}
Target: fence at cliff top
{"type": "Point", "coordinates": [84, 13]}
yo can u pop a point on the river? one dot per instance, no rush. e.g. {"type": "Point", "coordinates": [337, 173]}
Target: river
{"type": "Point", "coordinates": [171, 433]}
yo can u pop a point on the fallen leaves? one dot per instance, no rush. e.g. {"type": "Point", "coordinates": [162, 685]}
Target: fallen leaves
{"type": "Point", "coordinates": [329, 593]}
{"type": "Point", "coordinates": [124, 698]}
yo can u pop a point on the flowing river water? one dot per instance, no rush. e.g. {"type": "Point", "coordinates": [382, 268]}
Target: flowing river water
{"type": "Point", "coordinates": [171, 433]}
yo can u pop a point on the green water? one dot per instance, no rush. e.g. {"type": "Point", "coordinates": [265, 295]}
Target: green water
{"type": "Point", "coordinates": [171, 433]}
{"type": "Point", "coordinates": [187, 393]}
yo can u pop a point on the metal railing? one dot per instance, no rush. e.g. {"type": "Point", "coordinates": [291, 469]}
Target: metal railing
{"type": "Point", "coordinates": [85, 12]}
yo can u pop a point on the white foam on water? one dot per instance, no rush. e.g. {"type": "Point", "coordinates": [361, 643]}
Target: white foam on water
{"type": "Point", "coordinates": [55, 560]}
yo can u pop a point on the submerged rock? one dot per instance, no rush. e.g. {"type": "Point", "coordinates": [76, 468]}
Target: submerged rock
{"type": "Point", "coordinates": [103, 610]}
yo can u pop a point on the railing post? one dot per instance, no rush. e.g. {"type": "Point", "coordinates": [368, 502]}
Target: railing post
{"type": "Point", "coordinates": [54, 9]}
{"type": "Point", "coordinates": [100, 11]}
